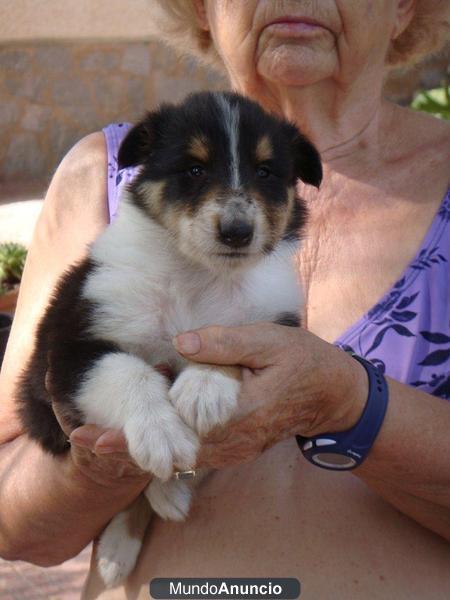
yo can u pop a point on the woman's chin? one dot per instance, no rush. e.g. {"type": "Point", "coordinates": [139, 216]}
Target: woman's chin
{"type": "Point", "coordinates": [292, 65]}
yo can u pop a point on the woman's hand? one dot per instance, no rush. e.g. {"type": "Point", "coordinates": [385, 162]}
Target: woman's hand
{"type": "Point", "coordinates": [101, 455]}
{"type": "Point", "coordinates": [293, 383]}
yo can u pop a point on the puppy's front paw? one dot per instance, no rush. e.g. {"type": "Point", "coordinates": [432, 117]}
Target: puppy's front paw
{"type": "Point", "coordinates": [205, 397]}
{"type": "Point", "coordinates": [158, 440]}
{"type": "Point", "coordinates": [133, 396]}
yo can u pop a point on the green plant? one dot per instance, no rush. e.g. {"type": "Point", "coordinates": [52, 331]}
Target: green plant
{"type": "Point", "coordinates": [436, 102]}
{"type": "Point", "coordinates": [12, 261]}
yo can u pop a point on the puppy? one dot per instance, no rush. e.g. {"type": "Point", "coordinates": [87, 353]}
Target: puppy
{"type": "Point", "coordinates": [205, 234]}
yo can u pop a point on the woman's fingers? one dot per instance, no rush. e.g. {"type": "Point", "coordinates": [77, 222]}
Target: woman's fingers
{"type": "Point", "coordinates": [237, 442]}
{"type": "Point", "coordinates": [102, 455]}
{"type": "Point", "coordinates": [111, 441]}
{"type": "Point", "coordinates": [86, 436]}
{"type": "Point", "coordinates": [253, 346]}
{"type": "Point", "coordinates": [99, 440]}
{"type": "Point", "coordinates": [113, 470]}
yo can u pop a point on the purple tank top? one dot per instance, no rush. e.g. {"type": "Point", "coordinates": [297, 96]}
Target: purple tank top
{"type": "Point", "coordinates": [407, 333]}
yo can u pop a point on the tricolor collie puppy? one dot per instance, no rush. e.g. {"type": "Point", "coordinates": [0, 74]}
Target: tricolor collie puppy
{"type": "Point", "coordinates": [205, 234]}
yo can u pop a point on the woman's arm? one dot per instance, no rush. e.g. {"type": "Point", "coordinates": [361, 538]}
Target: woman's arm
{"type": "Point", "coordinates": [52, 507]}
{"type": "Point", "coordinates": [295, 383]}
{"type": "Point", "coordinates": [409, 464]}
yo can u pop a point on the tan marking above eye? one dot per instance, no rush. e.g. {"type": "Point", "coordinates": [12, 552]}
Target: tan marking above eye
{"type": "Point", "coordinates": [264, 149]}
{"type": "Point", "coordinates": [198, 148]}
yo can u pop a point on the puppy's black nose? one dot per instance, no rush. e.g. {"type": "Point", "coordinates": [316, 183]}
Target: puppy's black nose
{"type": "Point", "coordinates": [236, 234]}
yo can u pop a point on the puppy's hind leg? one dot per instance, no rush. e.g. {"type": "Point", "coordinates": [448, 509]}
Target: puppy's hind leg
{"type": "Point", "coordinates": [121, 542]}
{"type": "Point", "coordinates": [172, 499]}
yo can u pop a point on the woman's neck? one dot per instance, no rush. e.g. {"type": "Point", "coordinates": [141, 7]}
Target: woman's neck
{"type": "Point", "coordinates": [341, 120]}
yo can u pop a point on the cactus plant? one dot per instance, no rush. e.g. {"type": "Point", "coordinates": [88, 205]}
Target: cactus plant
{"type": "Point", "coordinates": [12, 261]}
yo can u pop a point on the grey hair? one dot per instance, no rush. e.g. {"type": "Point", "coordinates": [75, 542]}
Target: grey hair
{"type": "Point", "coordinates": [176, 25]}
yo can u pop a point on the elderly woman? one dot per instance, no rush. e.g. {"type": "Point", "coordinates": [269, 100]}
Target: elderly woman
{"type": "Point", "coordinates": [375, 269]}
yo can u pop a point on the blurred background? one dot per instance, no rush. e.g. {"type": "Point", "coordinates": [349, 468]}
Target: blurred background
{"type": "Point", "coordinates": [68, 68]}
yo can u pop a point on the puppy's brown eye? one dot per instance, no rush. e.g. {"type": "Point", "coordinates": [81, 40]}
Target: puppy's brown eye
{"type": "Point", "coordinates": [196, 171]}
{"type": "Point", "coordinates": [263, 172]}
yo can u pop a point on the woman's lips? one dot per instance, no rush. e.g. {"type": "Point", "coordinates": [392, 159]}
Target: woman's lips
{"type": "Point", "coordinates": [291, 26]}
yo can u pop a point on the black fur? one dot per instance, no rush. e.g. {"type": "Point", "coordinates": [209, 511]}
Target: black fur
{"type": "Point", "coordinates": [297, 222]}
{"type": "Point", "coordinates": [308, 166]}
{"type": "Point", "coordinates": [160, 145]}
{"type": "Point", "coordinates": [288, 320]}
{"type": "Point", "coordinates": [65, 349]}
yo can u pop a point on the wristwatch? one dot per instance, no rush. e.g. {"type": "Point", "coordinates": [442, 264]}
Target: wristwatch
{"type": "Point", "coordinates": [346, 450]}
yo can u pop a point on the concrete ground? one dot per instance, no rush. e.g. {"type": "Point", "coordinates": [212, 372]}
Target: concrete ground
{"type": "Point", "coordinates": [22, 581]}
{"type": "Point", "coordinates": [20, 205]}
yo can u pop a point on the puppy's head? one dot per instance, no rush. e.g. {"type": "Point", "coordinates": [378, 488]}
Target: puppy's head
{"type": "Point", "coordinates": [219, 174]}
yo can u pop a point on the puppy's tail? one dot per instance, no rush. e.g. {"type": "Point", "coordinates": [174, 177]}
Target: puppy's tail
{"type": "Point", "coordinates": [121, 542]}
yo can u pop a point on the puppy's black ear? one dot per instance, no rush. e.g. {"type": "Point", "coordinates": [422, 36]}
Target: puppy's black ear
{"type": "Point", "coordinates": [307, 163]}
{"type": "Point", "coordinates": [137, 144]}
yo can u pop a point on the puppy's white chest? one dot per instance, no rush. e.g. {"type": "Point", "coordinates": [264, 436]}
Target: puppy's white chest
{"type": "Point", "coordinates": [200, 302]}
{"type": "Point", "coordinates": [145, 292]}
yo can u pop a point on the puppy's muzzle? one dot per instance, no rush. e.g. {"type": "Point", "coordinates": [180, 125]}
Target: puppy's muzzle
{"type": "Point", "coordinates": [235, 233]}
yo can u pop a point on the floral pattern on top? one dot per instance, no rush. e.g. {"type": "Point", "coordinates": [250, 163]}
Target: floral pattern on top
{"type": "Point", "coordinates": [407, 334]}
{"type": "Point", "coordinates": [114, 134]}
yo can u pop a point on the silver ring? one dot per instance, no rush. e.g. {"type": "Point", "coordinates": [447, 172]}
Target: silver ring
{"type": "Point", "coordinates": [185, 474]}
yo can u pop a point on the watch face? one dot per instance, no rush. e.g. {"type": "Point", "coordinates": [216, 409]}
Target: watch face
{"type": "Point", "coordinates": [333, 460]}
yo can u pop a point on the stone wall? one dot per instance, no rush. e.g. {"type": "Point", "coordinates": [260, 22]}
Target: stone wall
{"type": "Point", "coordinates": [51, 95]}
{"type": "Point", "coordinates": [57, 20]}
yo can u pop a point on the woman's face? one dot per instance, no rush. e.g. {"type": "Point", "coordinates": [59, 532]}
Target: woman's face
{"type": "Point", "coordinates": [300, 42]}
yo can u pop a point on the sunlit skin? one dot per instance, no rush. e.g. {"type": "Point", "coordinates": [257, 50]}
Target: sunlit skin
{"type": "Point", "coordinates": [318, 76]}
{"type": "Point", "coordinates": [376, 533]}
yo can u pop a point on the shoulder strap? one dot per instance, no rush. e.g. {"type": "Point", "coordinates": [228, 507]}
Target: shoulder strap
{"type": "Point", "coordinates": [114, 134]}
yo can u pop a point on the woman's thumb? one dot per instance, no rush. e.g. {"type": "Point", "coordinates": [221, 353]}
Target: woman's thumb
{"type": "Point", "coordinates": [248, 346]}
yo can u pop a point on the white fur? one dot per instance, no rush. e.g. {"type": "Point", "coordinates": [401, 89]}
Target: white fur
{"type": "Point", "coordinates": [122, 391]}
{"type": "Point", "coordinates": [146, 292]}
{"type": "Point", "coordinates": [170, 499]}
{"type": "Point", "coordinates": [231, 118]}
{"type": "Point", "coordinates": [197, 234]}
{"type": "Point", "coordinates": [204, 397]}
{"type": "Point", "coordinates": [117, 551]}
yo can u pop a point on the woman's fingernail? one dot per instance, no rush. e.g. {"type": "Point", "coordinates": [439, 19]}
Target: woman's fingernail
{"type": "Point", "coordinates": [83, 437]}
{"type": "Point", "coordinates": [107, 443]}
{"type": "Point", "coordinates": [187, 343]}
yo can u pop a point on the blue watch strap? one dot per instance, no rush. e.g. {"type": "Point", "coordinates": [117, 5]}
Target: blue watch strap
{"type": "Point", "coordinates": [346, 450]}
